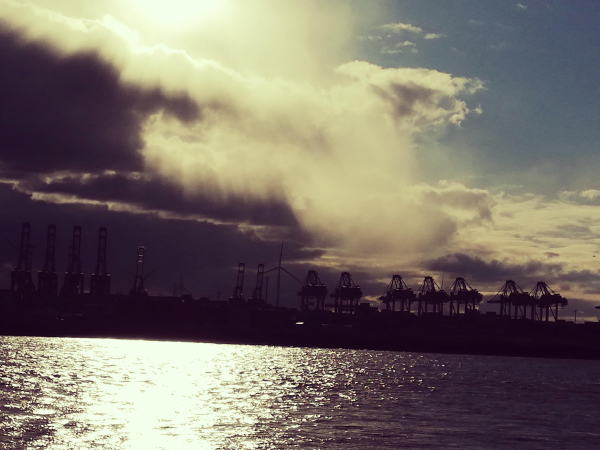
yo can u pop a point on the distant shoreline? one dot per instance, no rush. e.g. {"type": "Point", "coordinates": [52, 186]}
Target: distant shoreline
{"type": "Point", "coordinates": [511, 339]}
{"type": "Point", "coordinates": [185, 319]}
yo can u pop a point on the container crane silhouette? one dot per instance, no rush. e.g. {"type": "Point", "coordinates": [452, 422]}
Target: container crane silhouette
{"type": "Point", "coordinates": [398, 291]}
{"type": "Point", "coordinates": [313, 293]}
{"type": "Point", "coordinates": [74, 278]}
{"type": "Point", "coordinates": [20, 278]}
{"type": "Point", "coordinates": [47, 277]}
{"type": "Point", "coordinates": [100, 279]}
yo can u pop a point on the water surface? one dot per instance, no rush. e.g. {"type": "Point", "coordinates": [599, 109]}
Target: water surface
{"type": "Point", "coordinates": [60, 393]}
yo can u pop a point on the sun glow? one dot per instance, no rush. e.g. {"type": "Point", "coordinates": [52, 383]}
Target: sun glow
{"type": "Point", "coordinates": [177, 13]}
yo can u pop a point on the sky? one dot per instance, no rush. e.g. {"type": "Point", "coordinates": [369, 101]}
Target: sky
{"type": "Point", "coordinates": [383, 137]}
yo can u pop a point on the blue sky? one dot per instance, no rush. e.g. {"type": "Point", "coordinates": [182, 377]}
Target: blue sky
{"type": "Point", "coordinates": [540, 66]}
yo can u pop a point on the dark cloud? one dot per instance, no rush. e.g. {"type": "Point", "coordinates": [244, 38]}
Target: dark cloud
{"type": "Point", "coordinates": [204, 255]}
{"type": "Point", "coordinates": [155, 193]}
{"type": "Point", "coordinates": [408, 96]}
{"type": "Point", "coordinates": [72, 112]}
{"type": "Point", "coordinates": [73, 115]}
{"type": "Point", "coordinates": [404, 98]}
{"type": "Point", "coordinates": [580, 276]}
{"type": "Point", "coordinates": [494, 273]}
{"type": "Point", "coordinates": [477, 268]}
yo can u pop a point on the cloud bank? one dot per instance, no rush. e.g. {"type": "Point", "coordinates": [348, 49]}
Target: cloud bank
{"type": "Point", "coordinates": [155, 128]}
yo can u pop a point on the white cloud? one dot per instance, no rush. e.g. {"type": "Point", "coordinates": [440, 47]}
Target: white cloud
{"type": "Point", "coordinates": [398, 48]}
{"type": "Point", "coordinates": [369, 38]}
{"type": "Point", "coordinates": [591, 194]}
{"type": "Point", "coordinates": [434, 36]}
{"type": "Point", "coordinates": [400, 27]}
{"type": "Point", "coordinates": [521, 6]}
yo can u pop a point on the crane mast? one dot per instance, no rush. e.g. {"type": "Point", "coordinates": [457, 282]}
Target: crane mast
{"type": "Point", "coordinates": [20, 278]}
{"type": "Point", "coordinates": [100, 279]}
{"type": "Point", "coordinates": [238, 292]}
{"type": "Point", "coordinates": [313, 293]}
{"type": "Point", "coordinates": [47, 277]}
{"type": "Point", "coordinates": [74, 279]}
{"type": "Point", "coordinates": [257, 299]}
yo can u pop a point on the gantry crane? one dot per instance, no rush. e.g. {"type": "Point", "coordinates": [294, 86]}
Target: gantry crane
{"type": "Point", "coordinates": [74, 278]}
{"type": "Point", "coordinates": [100, 280]}
{"type": "Point", "coordinates": [257, 299]}
{"type": "Point", "coordinates": [47, 277]}
{"type": "Point", "coordinates": [238, 292]}
{"type": "Point", "coordinates": [546, 299]}
{"type": "Point", "coordinates": [313, 293]}
{"type": "Point", "coordinates": [431, 294]}
{"type": "Point", "coordinates": [20, 278]}
{"type": "Point", "coordinates": [511, 296]}
{"type": "Point", "coordinates": [398, 291]}
{"type": "Point", "coordinates": [346, 295]}
{"type": "Point", "coordinates": [463, 294]}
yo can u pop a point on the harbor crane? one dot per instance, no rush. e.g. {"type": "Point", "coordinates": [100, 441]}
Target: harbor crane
{"type": "Point", "coordinates": [512, 299]}
{"type": "Point", "coordinates": [20, 278]}
{"type": "Point", "coordinates": [257, 299]}
{"type": "Point", "coordinates": [100, 279]}
{"type": "Point", "coordinates": [346, 295]}
{"type": "Point", "coordinates": [313, 293]}
{"type": "Point", "coordinates": [398, 291]}
{"type": "Point", "coordinates": [47, 277]}
{"type": "Point", "coordinates": [462, 293]}
{"type": "Point", "coordinates": [74, 279]}
{"type": "Point", "coordinates": [546, 299]}
{"type": "Point", "coordinates": [431, 294]}
{"type": "Point", "coordinates": [238, 292]}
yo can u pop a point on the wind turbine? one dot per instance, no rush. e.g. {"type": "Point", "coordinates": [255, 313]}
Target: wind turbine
{"type": "Point", "coordinates": [181, 288]}
{"type": "Point", "coordinates": [279, 269]}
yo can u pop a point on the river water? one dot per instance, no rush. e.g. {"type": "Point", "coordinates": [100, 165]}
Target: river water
{"type": "Point", "coordinates": [61, 393]}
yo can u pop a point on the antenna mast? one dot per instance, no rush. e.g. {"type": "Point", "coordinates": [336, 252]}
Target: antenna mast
{"type": "Point", "coordinates": [138, 282]}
